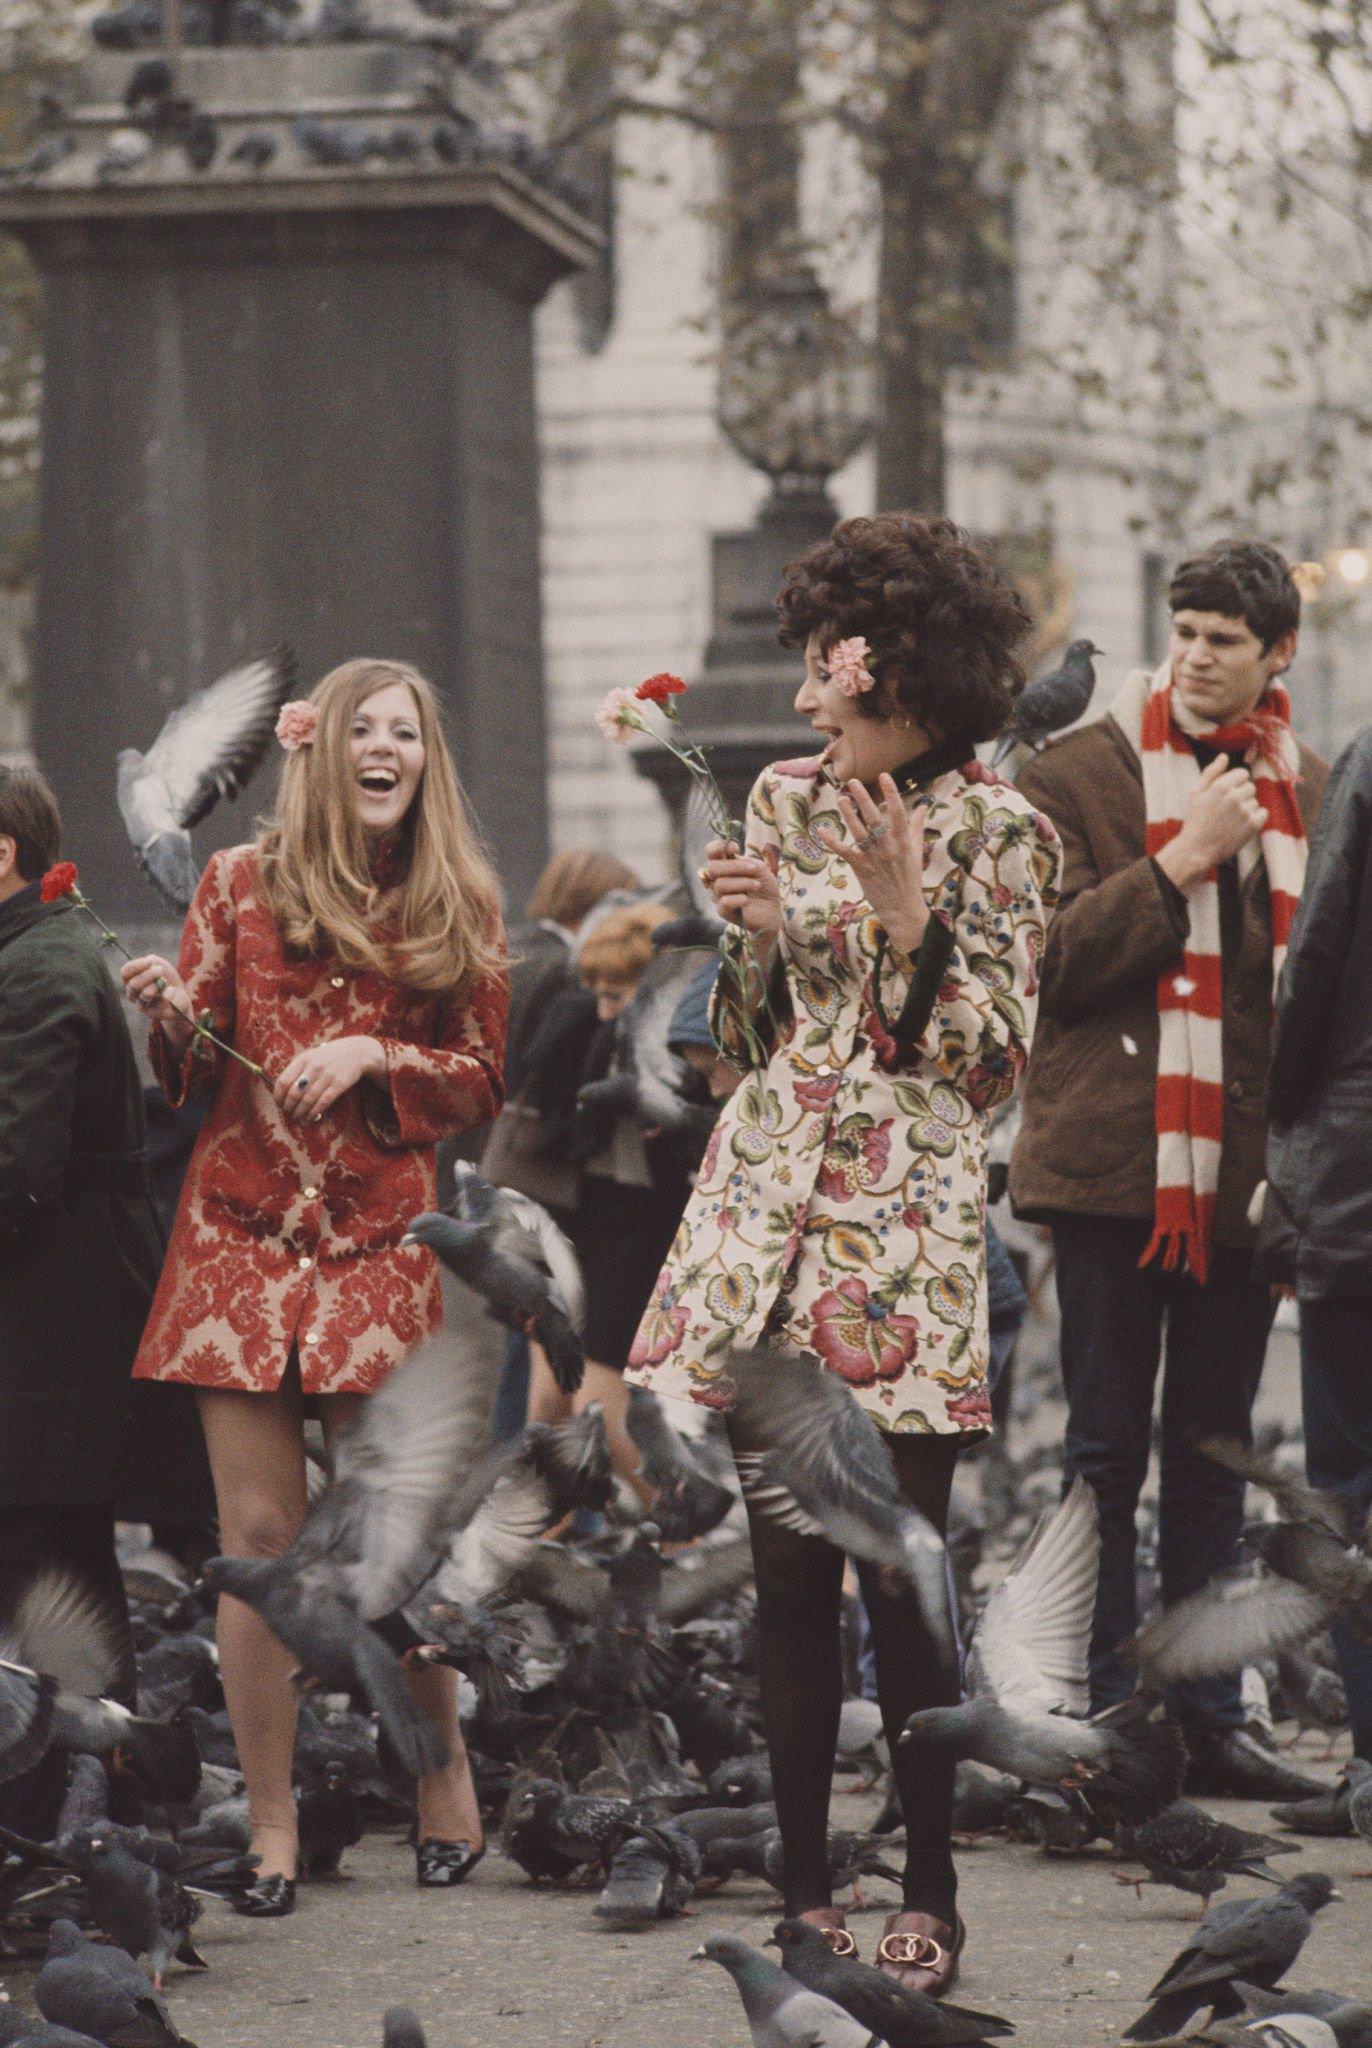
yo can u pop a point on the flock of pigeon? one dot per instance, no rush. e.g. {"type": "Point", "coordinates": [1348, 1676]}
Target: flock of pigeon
{"type": "Point", "coordinates": [609, 1693]}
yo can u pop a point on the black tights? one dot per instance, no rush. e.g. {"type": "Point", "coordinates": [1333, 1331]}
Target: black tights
{"type": "Point", "coordinates": [799, 1599]}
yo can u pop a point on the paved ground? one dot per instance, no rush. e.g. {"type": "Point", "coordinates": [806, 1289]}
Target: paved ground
{"type": "Point", "coordinates": [1056, 1945]}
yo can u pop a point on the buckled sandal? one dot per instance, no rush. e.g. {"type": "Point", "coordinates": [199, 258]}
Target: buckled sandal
{"type": "Point", "coordinates": [830, 1922]}
{"type": "Point", "coordinates": [921, 1952]}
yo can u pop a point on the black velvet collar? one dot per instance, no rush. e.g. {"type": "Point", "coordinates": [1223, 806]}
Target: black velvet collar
{"type": "Point", "coordinates": [927, 767]}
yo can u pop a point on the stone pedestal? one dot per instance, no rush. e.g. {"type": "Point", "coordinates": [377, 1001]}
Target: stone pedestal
{"type": "Point", "coordinates": [289, 401]}
{"type": "Point", "coordinates": [742, 708]}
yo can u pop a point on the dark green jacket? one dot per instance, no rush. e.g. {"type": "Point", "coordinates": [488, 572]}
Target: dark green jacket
{"type": "Point", "coordinates": [79, 1244]}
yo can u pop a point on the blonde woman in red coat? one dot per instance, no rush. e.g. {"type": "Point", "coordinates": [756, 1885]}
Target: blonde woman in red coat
{"type": "Point", "coordinates": [355, 953]}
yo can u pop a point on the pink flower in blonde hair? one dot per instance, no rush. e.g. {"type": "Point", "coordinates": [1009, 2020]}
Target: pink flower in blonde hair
{"type": "Point", "coordinates": [295, 727]}
{"type": "Point", "coordinates": [846, 662]}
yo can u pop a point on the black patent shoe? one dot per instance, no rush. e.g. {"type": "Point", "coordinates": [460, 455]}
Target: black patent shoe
{"type": "Point", "coordinates": [271, 1898]}
{"type": "Point", "coordinates": [437, 1864]}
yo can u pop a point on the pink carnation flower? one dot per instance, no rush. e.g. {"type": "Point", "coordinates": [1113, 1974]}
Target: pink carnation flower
{"type": "Point", "coordinates": [296, 725]}
{"type": "Point", "coordinates": [618, 716]}
{"type": "Point", "coordinates": [846, 662]}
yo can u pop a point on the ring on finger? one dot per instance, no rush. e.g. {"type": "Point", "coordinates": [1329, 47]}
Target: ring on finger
{"type": "Point", "coordinates": [876, 832]}
{"type": "Point", "coordinates": [303, 1082]}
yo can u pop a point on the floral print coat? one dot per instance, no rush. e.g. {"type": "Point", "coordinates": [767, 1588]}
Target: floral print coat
{"type": "Point", "coordinates": [288, 1234]}
{"type": "Point", "coordinates": [840, 1204]}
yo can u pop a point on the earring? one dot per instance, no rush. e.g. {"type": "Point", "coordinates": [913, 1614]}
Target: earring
{"type": "Point", "coordinates": [903, 724]}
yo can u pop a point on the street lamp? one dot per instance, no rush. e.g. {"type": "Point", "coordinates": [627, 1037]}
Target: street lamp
{"type": "Point", "coordinates": [795, 383]}
{"type": "Point", "coordinates": [796, 401]}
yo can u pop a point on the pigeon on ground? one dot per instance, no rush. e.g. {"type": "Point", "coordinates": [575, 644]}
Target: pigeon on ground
{"type": "Point", "coordinates": [552, 1833]}
{"type": "Point", "coordinates": [1349, 2018]}
{"type": "Point", "coordinates": [1254, 1939]}
{"type": "Point", "coordinates": [652, 1877]}
{"type": "Point", "coordinates": [510, 1251]}
{"type": "Point", "coordinates": [808, 1456]}
{"type": "Point", "coordinates": [1314, 1570]}
{"type": "Point", "coordinates": [1057, 1822]}
{"type": "Point", "coordinates": [140, 1905]}
{"type": "Point", "coordinates": [1326, 1813]}
{"type": "Point", "coordinates": [780, 2012]}
{"type": "Point", "coordinates": [741, 1781]}
{"type": "Point", "coordinates": [1360, 1800]}
{"type": "Point", "coordinates": [1187, 1847]}
{"type": "Point", "coordinates": [895, 2013]}
{"type": "Point", "coordinates": [100, 1991]}
{"type": "Point", "coordinates": [57, 1655]}
{"type": "Point", "coordinates": [1027, 1667]}
{"type": "Point", "coordinates": [329, 1814]}
{"type": "Point", "coordinates": [400, 2028]}
{"type": "Point", "coordinates": [407, 1475]}
{"type": "Point", "coordinates": [686, 1502]}
{"type": "Point", "coordinates": [1051, 702]}
{"type": "Point", "coordinates": [27, 2030]}
{"type": "Point", "coordinates": [1314, 1696]}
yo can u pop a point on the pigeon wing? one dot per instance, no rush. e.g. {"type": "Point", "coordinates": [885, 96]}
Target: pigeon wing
{"type": "Point", "coordinates": [1295, 1501]}
{"type": "Point", "coordinates": [565, 1580]}
{"type": "Point", "coordinates": [1032, 1639]}
{"type": "Point", "coordinates": [61, 1628]}
{"type": "Point", "coordinates": [825, 1455]}
{"type": "Point", "coordinates": [211, 744]}
{"type": "Point", "coordinates": [412, 1467]}
{"type": "Point", "coordinates": [1235, 1620]}
{"type": "Point", "coordinates": [697, 1578]}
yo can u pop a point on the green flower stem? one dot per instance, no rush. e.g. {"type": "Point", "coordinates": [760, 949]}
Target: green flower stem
{"type": "Point", "coordinates": [112, 938]}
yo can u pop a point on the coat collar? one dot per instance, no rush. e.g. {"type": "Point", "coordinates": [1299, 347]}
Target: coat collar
{"type": "Point", "coordinates": [927, 767]}
{"type": "Point", "coordinates": [23, 910]}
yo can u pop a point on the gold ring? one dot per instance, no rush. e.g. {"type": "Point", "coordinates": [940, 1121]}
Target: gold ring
{"type": "Point", "coordinates": [703, 875]}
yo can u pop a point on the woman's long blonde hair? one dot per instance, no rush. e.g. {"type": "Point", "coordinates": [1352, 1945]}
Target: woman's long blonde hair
{"type": "Point", "coordinates": [445, 930]}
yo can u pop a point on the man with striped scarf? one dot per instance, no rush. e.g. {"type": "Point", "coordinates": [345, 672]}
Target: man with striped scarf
{"type": "Point", "coordinates": [1184, 815]}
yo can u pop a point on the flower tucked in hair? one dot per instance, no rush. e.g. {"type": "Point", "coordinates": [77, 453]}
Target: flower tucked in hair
{"type": "Point", "coordinates": [846, 662]}
{"type": "Point", "coordinates": [295, 728]}
{"type": "Point", "coordinates": [58, 881]}
{"type": "Point", "coordinates": [619, 716]}
{"type": "Point", "coordinates": [657, 689]}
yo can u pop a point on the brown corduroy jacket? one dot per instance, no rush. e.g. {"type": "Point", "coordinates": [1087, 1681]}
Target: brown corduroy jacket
{"type": "Point", "coordinates": [1088, 1142]}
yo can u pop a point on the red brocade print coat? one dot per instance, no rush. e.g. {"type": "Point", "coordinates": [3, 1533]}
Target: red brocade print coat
{"type": "Point", "coordinates": [289, 1234]}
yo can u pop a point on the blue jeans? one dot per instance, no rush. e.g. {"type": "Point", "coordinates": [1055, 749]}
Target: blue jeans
{"type": "Point", "coordinates": [1336, 1394]}
{"type": "Point", "coordinates": [1114, 1316]}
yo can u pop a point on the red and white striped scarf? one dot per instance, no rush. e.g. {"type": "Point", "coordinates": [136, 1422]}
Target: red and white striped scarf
{"type": "Point", "coordinates": [1190, 1091]}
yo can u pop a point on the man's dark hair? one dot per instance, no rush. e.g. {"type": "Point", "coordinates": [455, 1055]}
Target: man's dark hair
{"type": "Point", "coordinates": [1241, 579]}
{"type": "Point", "coordinates": [30, 817]}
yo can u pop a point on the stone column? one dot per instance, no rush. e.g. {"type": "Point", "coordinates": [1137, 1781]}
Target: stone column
{"type": "Point", "coordinates": [288, 396]}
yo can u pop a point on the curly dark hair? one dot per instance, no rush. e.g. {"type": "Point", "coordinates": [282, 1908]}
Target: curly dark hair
{"type": "Point", "coordinates": [1241, 579]}
{"type": "Point", "coordinates": [940, 619]}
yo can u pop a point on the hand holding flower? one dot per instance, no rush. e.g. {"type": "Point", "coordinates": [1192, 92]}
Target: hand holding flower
{"type": "Point", "coordinates": [885, 850]}
{"type": "Point", "coordinates": [154, 984]}
{"type": "Point", "coordinates": [317, 1077]}
{"type": "Point", "coordinates": [745, 890]}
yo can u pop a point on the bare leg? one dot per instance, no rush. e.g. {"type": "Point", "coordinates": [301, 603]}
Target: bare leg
{"type": "Point", "coordinates": [547, 1402]}
{"type": "Point", "coordinates": [448, 1810]}
{"type": "Point", "coordinates": [257, 1457]}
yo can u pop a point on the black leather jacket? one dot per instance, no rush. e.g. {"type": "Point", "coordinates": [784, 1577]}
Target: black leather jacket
{"type": "Point", "coordinates": [1319, 1160]}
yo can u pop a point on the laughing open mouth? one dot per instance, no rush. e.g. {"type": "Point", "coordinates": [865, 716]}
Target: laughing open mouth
{"type": "Point", "coordinates": [378, 781]}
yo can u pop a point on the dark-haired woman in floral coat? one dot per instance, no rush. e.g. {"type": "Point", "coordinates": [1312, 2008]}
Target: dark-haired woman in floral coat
{"type": "Point", "coordinates": [894, 896]}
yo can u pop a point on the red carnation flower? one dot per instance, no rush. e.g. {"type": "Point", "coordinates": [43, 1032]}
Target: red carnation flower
{"type": "Point", "coordinates": [659, 688]}
{"type": "Point", "coordinates": [58, 881]}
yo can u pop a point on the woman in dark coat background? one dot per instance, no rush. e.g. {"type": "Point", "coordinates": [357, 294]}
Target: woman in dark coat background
{"type": "Point", "coordinates": [79, 1245]}
{"type": "Point", "coordinates": [1319, 1160]}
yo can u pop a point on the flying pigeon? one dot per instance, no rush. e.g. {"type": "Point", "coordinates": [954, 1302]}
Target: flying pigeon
{"type": "Point", "coordinates": [207, 749]}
